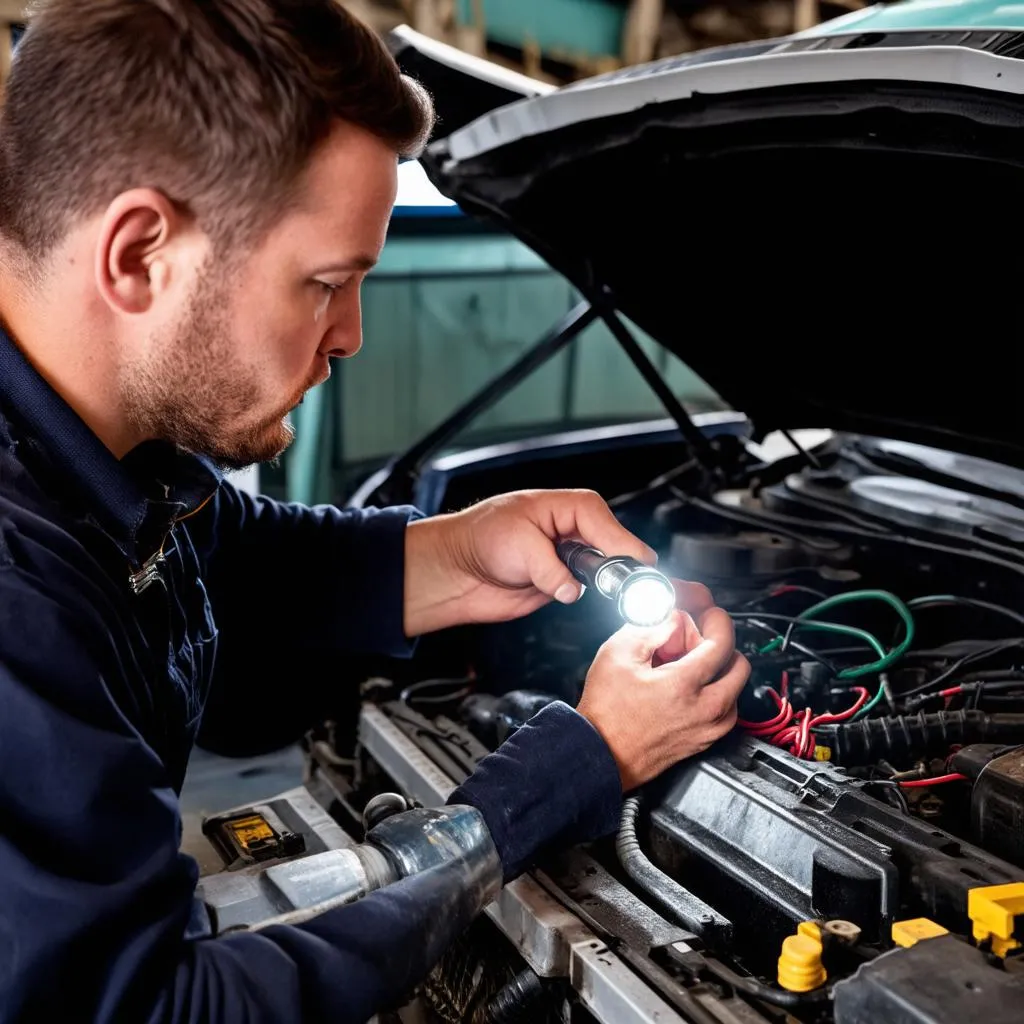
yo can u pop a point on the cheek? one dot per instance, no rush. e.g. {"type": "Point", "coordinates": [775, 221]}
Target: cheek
{"type": "Point", "coordinates": [281, 345]}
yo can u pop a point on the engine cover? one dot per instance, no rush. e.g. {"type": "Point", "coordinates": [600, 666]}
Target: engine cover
{"type": "Point", "coordinates": [771, 841]}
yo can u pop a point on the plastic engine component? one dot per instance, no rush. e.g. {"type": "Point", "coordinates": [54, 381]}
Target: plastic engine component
{"type": "Point", "coordinates": [936, 981]}
{"type": "Point", "coordinates": [997, 798]}
{"type": "Point", "coordinates": [922, 734]}
{"type": "Point", "coordinates": [773, 841]}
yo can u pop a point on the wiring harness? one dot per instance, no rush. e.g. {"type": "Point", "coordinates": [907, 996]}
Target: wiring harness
{"type": "Point", "coordinates": [804, 731]}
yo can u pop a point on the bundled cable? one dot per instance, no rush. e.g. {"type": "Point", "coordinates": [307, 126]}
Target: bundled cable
{"type": "Point", "coordinates": [794, 730]}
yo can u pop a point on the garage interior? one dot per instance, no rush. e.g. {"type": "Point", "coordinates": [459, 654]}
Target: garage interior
{"type": "Point", "coordinates": [704, 258]}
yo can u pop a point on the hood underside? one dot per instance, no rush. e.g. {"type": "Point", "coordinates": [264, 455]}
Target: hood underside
{"type": "Point", "coordinates": [828, 238]}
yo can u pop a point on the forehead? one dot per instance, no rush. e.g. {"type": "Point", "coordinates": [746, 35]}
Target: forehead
{"type": "Point", "coordinates": [345, 198]}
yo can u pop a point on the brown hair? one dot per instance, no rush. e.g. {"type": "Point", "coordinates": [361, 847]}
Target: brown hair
{"type": "Point", "coordinates": [218, 103]}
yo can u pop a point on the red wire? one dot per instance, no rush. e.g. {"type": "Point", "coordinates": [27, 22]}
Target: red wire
{"type": "Point", "coordinates": [939, 779]}
{"type": "Point", "coordinates": [780, 720]}
{"type": "Point", "coordinates": [795, 729]}
{"type": "Point", "coordinates": [862, 698]}
{"type": "Point", "coordinates": [810, 740]}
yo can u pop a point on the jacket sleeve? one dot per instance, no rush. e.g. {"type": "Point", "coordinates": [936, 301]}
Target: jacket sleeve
{"type": "Point", "coordinates": [98, 901]}
{"type": "Point", "coordinates": [327, 578]}
{"type": "Point", "coordinates": [305, 600]}
{"type": "Point", "coordinates": [553, 782]}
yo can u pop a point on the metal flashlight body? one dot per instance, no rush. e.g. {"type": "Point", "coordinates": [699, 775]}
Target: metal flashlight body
{"type": "Point", "coordinates": [643, 596]}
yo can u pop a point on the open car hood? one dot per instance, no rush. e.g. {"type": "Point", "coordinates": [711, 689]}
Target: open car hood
{"type": "Point", "coordinates": [821, 226]}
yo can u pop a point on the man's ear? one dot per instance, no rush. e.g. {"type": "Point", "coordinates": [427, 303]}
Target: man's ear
{"type": "Point", "coordinates": [135, 251]}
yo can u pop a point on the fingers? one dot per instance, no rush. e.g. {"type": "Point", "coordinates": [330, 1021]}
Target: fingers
{"type": "Point", "coordinates": [637, 645]}
{"type": "Point", "coordinates": [694, 598]}
{"type": "Point", "coordinates": [711, 655]}
{"type": "Point", "coordinates": [684, 638]}
{"type": "Point", "coordinates": [586, 515]}
{"type": "Point", "coordinates": [718, 699]}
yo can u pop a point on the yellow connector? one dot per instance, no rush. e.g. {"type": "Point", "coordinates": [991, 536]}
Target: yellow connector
{"type": "Point", "coordinates": [822, 753]}
{"type": "Point", "coordinates": [907, 933]}
{"type": "Point", "coordinates": [800, 967]}
{"type": "Point", "coordinates": [994, 909]}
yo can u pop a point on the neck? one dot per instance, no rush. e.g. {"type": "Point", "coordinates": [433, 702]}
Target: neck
{"type": "Point", "coordinates": [65, 346]}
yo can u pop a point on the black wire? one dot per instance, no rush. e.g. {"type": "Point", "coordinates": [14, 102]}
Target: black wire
{"type": "Point", "coordinates": [894, 789]}
{"type": "Point", "coordinates": [951, 601]}
{"type": "Point", "coordinates": [658, 481]}
{"type": "Point", "coordinates": [774, 996]}
{"type": "Point", "coordinates": [975, 690]}
{"type": "Point", "coordinates": [996, 675]}
{"type": "Point", "coordinates": [792, 620]}
{"type": "Point", "coordinates": [411, 691]}
{"type": "Point", "coordinates": [446, 699]}
{"type": "Point", "coordinates": [752, 619]}
{"type": "Point", "coordinates": [942, 677]}
{"type": "Point", "coordinates": [777, 524]}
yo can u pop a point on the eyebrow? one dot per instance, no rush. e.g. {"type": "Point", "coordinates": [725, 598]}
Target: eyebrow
{"type": "Point", "coordinates": [347, 266]}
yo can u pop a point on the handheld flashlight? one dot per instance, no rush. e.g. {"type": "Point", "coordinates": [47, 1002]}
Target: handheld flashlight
{"type": "Point", "coordinates": [644, 596]}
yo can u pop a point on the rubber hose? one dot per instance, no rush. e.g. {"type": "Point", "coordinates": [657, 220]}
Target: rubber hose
{"type": "Point", "coordinates": [922, 734]}
{"type": "Point", "coordinates": [680, 904]}
{"type": "Point", "coordinates": [515, 1002]}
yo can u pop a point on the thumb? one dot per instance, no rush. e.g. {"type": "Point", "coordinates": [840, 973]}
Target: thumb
{"type": "Point", "coordinates": [685, 637]}
{"type": "Point", "coordinates": [548, 573]}
{"type": "Point", "coordinates": [639, 644]}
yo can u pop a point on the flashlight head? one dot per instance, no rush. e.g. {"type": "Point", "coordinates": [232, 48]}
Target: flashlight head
{"type": "Point", "coordinates": [643, 596]}
{"type": "Point", "coordinates": [646, 598]}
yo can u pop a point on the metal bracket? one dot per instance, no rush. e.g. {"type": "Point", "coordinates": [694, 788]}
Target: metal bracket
{"type": "Point", "coordinates": [550, 937]}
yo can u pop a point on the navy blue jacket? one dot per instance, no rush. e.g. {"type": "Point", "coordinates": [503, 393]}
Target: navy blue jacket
{"type": "Point", "coordinates": [102, 691]}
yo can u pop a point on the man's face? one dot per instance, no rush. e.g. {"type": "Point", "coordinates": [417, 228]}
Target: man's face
{"type": "Point", "coordinates": [259, 331]}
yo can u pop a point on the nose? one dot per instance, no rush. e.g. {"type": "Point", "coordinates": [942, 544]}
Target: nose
{"type": "Point", "coordinates": [344, 336]}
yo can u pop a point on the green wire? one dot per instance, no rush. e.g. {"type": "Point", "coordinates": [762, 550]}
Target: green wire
{"type": "Point", "coordinates": [829, 627]}
{"type": "Point", "coordinates": [871, 703]}
{"type": "Point", "coordinates": [885, 659]}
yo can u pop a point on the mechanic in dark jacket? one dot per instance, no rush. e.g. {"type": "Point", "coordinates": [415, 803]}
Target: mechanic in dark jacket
{"type": "Point", "coordinates": [190, 195]}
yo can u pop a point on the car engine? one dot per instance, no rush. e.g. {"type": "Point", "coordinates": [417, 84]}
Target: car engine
{"type": "Point", "coordinates": [852, 853]}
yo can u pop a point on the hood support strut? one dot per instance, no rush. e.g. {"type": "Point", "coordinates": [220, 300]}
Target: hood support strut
{"type": "Point", "coordinates": [702, 448]}
{"type": "Point", "coordinates": [395, 483]}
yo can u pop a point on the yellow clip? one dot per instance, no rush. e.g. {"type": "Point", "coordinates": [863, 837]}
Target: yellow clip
{"type": "Point", "coordinates": [800, 967]}
{"type": "Point", "coordinates": [907, 933]}
{"type": "Point", "coordinates": [822, 753]}
{"type": "Point", "coordinates": [994, 909]}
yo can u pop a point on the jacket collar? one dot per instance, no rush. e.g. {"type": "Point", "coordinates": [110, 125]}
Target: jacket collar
{"type": "Point", "coordinates": [136, 499]}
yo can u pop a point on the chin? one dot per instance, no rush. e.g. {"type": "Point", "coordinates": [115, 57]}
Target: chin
{"type": "Point", "coordinates": [264, 444]}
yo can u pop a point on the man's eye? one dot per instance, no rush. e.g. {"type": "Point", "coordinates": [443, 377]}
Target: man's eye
{"type": "Point", "coordinates": [329, 288]}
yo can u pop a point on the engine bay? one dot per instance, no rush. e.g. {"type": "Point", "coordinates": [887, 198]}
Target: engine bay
{"type": "Point", "coordinates": [854, 851]}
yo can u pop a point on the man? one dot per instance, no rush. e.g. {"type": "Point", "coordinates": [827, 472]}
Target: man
{"type": "Point", "coordinates": [190, 196]}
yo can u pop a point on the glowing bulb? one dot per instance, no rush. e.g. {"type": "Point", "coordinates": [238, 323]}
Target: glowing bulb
{"type": "Point", "coordinates": [646, 600]}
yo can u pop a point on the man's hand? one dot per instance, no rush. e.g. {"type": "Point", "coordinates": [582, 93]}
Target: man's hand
{"type": "Point", "coordinates": [660, 695]}
{"type": "Point", "coordinates": [496, 561]}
